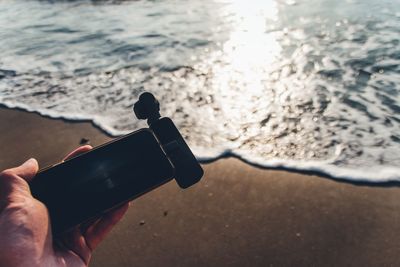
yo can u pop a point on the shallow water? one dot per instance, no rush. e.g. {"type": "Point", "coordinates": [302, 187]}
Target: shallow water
{"type": "Point", "coordinates": [311, 85]}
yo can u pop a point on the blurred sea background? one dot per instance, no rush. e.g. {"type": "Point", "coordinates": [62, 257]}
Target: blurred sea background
{"type": "Point", "coordinates": [309, 85]}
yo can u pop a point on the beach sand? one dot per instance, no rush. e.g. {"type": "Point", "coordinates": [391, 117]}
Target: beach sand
{"type": "Point", "coordinates": [237, 215]}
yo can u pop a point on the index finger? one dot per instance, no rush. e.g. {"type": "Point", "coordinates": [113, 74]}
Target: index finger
{"type": "Point", "coordinates": [78, 151]}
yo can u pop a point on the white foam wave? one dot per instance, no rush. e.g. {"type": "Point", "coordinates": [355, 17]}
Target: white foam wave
{"type": "Point", "coordinates": [314, 167]}
{"type": "Point", "coordinates": [318, 95]}
{"type": "Point", "coordinates": [99, 121]}
{"type": "Point", "coordinates": [318, 167]}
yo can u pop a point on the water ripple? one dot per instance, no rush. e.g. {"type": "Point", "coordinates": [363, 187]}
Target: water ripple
{"type": "Point", "coordinates": [310, 85]}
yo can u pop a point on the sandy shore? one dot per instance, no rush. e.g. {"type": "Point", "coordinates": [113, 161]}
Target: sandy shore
{"type": "Point", "coordinates": [236, 216]}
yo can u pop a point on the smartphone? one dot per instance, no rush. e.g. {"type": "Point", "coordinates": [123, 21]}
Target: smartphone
{"type": "Point", "coordinates": [84, 187]}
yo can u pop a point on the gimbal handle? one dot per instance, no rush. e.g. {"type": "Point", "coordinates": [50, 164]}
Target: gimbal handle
{"type": "Point", "coordinates": [187, 170]}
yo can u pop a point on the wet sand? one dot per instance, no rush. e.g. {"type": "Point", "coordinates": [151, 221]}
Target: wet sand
{"type": "Point", "coordinates": [237, 215]}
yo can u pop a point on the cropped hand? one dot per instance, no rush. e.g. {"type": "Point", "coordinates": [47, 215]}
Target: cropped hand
{"type": "Point", "coordinates": [25, 227]}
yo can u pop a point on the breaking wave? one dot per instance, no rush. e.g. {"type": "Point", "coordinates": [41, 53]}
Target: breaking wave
{"type": "Point", "coordinates": [278, 83]}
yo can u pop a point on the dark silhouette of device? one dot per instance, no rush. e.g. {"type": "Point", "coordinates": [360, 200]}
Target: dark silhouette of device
{"type": "Point", "coordinates": [81, 189]}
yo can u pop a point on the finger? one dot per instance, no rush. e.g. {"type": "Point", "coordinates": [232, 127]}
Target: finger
{"type": "Point", "coordinates": [78, 151]}
{"type": "Point", "coordinates": [75, 242]}
{"type": "Point", "coordinates": [13, 182]}
{"type": "Point", "coordinates": [26, 171]}
{"type": "Point", "coordinates": [98, 231]}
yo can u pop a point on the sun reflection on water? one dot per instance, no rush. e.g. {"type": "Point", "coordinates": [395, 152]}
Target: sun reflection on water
{"type": "Point", "coordinates": [273, 79]}
{"type": "Point", "coordinates": [247, 56]}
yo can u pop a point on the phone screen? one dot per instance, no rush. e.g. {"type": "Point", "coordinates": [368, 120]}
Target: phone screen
{"type": "Point", "coordinates": [89, 184]}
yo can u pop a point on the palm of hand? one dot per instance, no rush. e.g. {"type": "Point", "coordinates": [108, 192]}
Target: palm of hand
{"type": "Point", "coordinates": [25, 229]}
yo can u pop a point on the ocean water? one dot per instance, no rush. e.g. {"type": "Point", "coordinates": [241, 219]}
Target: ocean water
{"type": "Point", "coordinates": [308, 85]}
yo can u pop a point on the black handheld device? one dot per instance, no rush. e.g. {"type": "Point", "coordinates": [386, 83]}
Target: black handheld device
{"type": "Point", "coordinates": [81, 189]}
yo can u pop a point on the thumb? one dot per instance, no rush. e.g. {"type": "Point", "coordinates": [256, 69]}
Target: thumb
{"type": "Point", "coordinates": [19, 175]}
{"type": "Point", "coordinates": [13, 182]}
{"type": "Point", "coordinates": [27, 170]}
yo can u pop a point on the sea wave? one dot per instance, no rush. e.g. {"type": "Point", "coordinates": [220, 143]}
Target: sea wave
{"type": "Point", "coordinates": [325, 168]}
{"type": "Point", "coordinates": [277, 84]}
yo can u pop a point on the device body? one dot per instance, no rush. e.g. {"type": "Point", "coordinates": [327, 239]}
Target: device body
{"type": "Point", "coordinates": [83, 188]}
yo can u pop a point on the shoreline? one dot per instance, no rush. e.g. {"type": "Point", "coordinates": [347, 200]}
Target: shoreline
{"type": "Point", "coordinates": [237, 215]}
{"type": "Point", "coordinates": [279, 167]}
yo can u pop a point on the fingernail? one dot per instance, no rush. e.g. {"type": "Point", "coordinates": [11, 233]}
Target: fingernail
{"type": "Point", "coordinates": [30, 161]}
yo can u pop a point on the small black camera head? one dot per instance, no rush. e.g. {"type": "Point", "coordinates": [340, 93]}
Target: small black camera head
{"type": "Point", "coordinates": [187, 169]}
{"type": "Point", "coordinates": [147, 108]}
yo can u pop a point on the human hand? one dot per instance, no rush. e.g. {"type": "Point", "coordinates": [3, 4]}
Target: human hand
{"type": "Point", "coordinates": [25, 227]}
